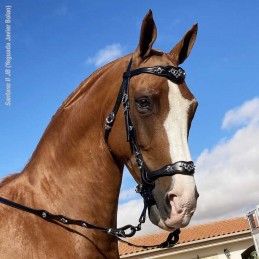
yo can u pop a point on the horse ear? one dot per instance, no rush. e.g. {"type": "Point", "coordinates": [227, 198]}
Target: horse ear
{"type": "Point", "coordinates": [183, 48]}
{"type": "Point", "coordinates": [147, 36]}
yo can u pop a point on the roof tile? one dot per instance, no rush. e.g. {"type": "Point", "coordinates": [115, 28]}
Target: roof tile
{"type": "Point", "coordinates": [189, 234]}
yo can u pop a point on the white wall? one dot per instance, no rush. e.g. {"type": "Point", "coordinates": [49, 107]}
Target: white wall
{"type": "Point", "coordinates": [215, 251]}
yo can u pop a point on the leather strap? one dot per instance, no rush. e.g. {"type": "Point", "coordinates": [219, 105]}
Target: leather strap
{"type": "Point", "coordinates": [180, 167]}
{"type": "Point", "coordinates": [175, 74]}
{"type": "Point", "coordinates": [112, 116]}
{"type": "Point", "coordinates": [123, 232]}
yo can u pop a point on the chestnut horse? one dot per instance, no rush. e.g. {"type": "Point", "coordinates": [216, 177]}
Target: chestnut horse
{"type": "Point", "coordinates": [76, 172]}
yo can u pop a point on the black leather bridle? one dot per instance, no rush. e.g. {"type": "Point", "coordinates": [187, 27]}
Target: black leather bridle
{"type": "Point", "coordinates": [148, 177]}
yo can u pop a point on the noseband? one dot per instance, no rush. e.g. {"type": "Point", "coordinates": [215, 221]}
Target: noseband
{"type": "Point", "coordinates": [148, 177]}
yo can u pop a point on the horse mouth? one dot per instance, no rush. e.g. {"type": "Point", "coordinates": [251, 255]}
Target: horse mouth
{"type": "Point", "coordinates": [170, 223]}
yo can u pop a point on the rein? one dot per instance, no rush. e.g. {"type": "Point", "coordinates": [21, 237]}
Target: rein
{"type": "Point", "coordinates": [117, 232]}
{"type": "Point", "coordinates": [148, 177]}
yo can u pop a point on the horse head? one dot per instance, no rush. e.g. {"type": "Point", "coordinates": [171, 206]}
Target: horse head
{"type": "Point", "coordinates": [162, 111]}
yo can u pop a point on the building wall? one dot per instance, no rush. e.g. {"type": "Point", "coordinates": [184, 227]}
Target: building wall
{"type": "Point", "coordinates": [213, 251]}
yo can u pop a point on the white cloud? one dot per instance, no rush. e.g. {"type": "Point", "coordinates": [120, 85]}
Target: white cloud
{"type": "Point", "coordinates": [227, 176]}
{"type": "Point", "coordinates": [105, 55]}
{"type": "Point", "coordinates": [128, 194]}
{"type": "Point", "coordinates": [129, 213]}
{"type": "Point", "coordinates": [247, 113]}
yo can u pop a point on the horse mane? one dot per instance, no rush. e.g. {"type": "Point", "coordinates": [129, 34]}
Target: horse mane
{"type": "Point", "coordinates": [85, 85]}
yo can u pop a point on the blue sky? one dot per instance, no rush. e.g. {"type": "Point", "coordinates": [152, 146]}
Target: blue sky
{"type": "Point", "coordinates": [57, 44]}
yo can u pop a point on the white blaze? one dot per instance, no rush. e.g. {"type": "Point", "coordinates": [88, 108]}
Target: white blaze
{"type": "Point", "coordinates": [183, 189]}
{"type": "Point", "coordinates": [176, 124]}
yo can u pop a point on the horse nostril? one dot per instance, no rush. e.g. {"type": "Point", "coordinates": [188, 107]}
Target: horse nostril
{"type": "Point", "coordinates": [171, 196]}
{"type": "Point", "coordinates": [175, 203]}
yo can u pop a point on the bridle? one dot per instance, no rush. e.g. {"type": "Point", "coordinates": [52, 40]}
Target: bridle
{"type": "Point", "coordinates": [148, 177]}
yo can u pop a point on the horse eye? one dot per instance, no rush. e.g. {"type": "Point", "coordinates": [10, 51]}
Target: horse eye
{"type": "Point", "coordinates": [143, 103]}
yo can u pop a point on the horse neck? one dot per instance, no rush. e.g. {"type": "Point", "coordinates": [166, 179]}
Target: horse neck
{"type": "Point", "coordinates": [72, 171]}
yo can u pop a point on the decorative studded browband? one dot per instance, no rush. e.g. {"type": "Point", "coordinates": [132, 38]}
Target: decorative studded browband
{"type": "Point", "coordinates": [175, 74]}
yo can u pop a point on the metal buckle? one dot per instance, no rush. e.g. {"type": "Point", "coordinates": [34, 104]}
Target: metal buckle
{"type": "Point", "coordinates": [110, 118]}
{"type": "Point", "coordinates": [139, 188]}
{"type": "Point", "coordinates": [125, 98]}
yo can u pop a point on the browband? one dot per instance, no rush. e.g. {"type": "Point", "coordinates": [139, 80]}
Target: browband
{"type": "Point", "coordinates": [175, 74]}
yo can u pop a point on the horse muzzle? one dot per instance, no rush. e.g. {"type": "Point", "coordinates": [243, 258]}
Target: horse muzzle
{"type": "Point", "coordinates": [176, 208]}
